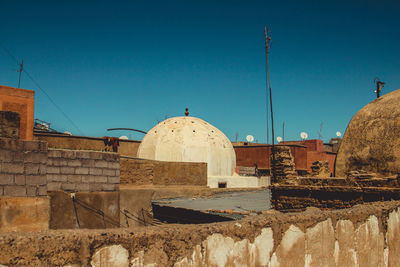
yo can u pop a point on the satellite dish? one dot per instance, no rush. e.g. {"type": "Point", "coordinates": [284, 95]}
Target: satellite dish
{"type": "Point", "coordinates": [68, 133]}
{"type": "Point", "coordinates": [303, 135]}
{"type": "Point", "coordinates": [250, 138]}
{"type": "Point", "coordinates": [279, 139]}
{"type": "Point", "coordinates": [123, 137]}
{"type": "Point", "coordinates": [338, 134]}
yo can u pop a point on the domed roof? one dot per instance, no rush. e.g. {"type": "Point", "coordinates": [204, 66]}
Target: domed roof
{"type": "Point", "coordinates": [372, 139]}
{"type": "Point", "coordinates": [189, 139]}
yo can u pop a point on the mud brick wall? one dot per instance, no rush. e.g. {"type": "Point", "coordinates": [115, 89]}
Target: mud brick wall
{"type": "Point", "coordinates": [291, 198]}
{"type": "Point", "coordinates": [23, 167]}
{"type": "Point", "coordinates": [142, 172]}
{"type": "Point", "coordinates": [82, 171]}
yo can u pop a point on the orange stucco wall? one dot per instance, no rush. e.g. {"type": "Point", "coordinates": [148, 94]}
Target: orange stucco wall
{"type": "Point", "coordinates": [23, 102]}
{"type": "Point", "coordinates": [248, 156]}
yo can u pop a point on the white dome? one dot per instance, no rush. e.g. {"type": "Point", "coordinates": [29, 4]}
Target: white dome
{"type": "Point", "coordinates": [189, 139]}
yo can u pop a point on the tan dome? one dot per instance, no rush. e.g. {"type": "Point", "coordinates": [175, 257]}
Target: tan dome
{"type": "Point", "coordinates": [189, 139]}
{"type": "Point", "coordinates": [372, 139]}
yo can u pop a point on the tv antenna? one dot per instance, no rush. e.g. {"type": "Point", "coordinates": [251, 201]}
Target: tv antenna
{"type": "Point", "coordinates": [303, 135]}
{"type": "Point", "coordinates": [250, 138]}
{"type": "Point", "coordinates": [320, 131]}
{"type": "Point", "coordinates": [268, 42]}
{"type": "Point", "coordinates": [379, 86]}
{"type": "Point", "coordinates": [21, 68]}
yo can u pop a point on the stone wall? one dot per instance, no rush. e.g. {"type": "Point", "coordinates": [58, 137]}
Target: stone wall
{"type": "Point", "coordinates": [332, 193]}
{"type": "Point", "coordinates": [365, 235]}
{"type": "Point", "coordinates": [145, 172]}
{"type": "Point", "coordinates": [77, 171]}
{"type": "Point", "coordinates": [23, 168]}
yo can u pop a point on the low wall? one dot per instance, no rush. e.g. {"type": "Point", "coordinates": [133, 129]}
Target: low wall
{"type": "Point", "coordinates": [145, 172]}
{"type": "Point", "coordinates": [77, 171]}
{"type": "Point", "coordinates": [95, 210]}
{"type": "Point", "coordinates": [332, 193]}
{"type": "Point", "coordinates": [126, 147]}
{"type": "Point", "coordinates": [365, 235]}
{"type": "Point", "coordinates": [238, 181]}
{"type": "Point", "coordinates": [23, 168]}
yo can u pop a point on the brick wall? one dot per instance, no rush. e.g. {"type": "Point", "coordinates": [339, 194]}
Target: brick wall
{"type": "Point", "coordinates": [146, 172]}
{"type": "Point", "coordinates": [23, 167]}
{"type": "Point", "coordinates": [77, 171]}
{"type": "Point", "coordinates": [21, 101]}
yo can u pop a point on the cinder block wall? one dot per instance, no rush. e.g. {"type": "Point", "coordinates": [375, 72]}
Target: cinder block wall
{"type": "Point", "coordinates": [79, 171]}
{"type": "Point", "coordinates": [23, 168]}
{"type": "Point", "coordinates": [28, 168]}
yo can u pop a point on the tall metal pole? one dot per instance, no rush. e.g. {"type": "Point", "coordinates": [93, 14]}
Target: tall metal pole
{"type": "Point", "coordinates": [21, 67]}
{"type": "Point", "coordinates": [268, 42]}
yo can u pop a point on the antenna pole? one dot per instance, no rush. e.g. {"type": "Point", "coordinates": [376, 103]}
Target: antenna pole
{"type": "Point", "coordinates": [268, 42]}
{"type": "Point", "coordinates": [266, 83]}
{"type": "Point", "coordinates": [283, 131]}
{"type": "Point", "coordinates": [21, 67]}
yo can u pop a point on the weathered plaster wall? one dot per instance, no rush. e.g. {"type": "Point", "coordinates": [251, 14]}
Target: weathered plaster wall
{"type": "Point", "coordinates": [21, 101]}
{"type": "Point", "coordinates": [145, 172]}
{"type": "Point", "coordinates": [365, 235]}
{"type": "Point", "coordinates": [126, 147]}
{"type": "Point", "coordinates": [24, 214]}
{"type": "Point", "coordinates": [78, 171]}
{"type": "Point", "coordinates": [94, 210]}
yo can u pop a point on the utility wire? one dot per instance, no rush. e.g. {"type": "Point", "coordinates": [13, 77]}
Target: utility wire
{"type": "Point", "coordinates": [41, 89]}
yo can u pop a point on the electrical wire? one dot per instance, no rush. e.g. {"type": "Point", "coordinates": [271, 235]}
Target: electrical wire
{"type": "Point", "coordinates": [41, 89]}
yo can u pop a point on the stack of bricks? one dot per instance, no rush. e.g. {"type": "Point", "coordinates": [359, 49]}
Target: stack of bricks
{"type": "Point", "coordinates": [82, 171]}
{"type": "Point", "coordinates": [282, 165]}
{"type": "Point", "coordinates": [360, 175]}
{"type": "Point", "coordinates": [23, 168]}
{"type": "Point", "coordinates": [320, 169]}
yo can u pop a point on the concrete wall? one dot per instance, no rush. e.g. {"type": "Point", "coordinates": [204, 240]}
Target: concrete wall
{"type": "Point", "coordinates": [126, 147]}
{"type": "Point", "coordinates": [23, 168]}
{"type": "Point", "coordinates": [21, 101]}
{"type": "Point", "coordinates": [24, 214]}
{"type": "Point", "coordinates": [239, 181]}
{"type": "Point", "coordinates": [365, 235]}
{"type": "Point", "coordinates": [84, 210]}
{"type": "Point", "coordinates": [77, 171]}
{"type": "Point", "coordinates": [142, 172]}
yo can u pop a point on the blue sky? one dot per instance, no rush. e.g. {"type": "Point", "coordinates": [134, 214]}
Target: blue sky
{"type": "Point", "coordinates": [133, 63]}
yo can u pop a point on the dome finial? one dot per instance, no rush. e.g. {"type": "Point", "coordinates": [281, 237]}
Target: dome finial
{"type": "Point", "coordinates": [187, 112]}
